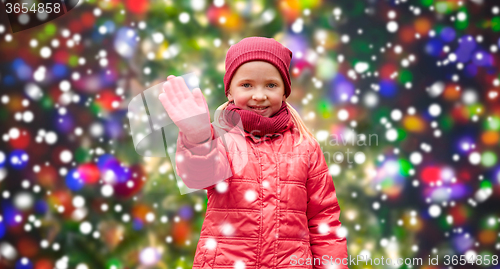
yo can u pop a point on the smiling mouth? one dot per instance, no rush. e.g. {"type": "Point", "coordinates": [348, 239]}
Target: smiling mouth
{"type": "Point", "coordinates": [258, 107]}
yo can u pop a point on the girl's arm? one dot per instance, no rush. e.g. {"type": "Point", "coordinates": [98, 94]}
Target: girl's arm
{"type": "Point", "coordinates": [202, 165]}
{"type": "Point", "coordinates": [200, 162]}
{"type": "Point", "coordinates": [323, 213]}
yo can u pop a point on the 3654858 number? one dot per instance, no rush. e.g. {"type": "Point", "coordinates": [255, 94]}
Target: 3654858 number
{"type": "Point", "coordinates": [40, 8]}
{"type": "Point", "coordinates": [472, 259]}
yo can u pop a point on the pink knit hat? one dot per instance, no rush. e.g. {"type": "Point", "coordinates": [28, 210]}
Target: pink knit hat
{"type": "Point", "coordinates": [258, 49]}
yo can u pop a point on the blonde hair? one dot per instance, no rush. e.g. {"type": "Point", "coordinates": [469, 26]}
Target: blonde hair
{"type": "Point", "coordinates": [303, 130]}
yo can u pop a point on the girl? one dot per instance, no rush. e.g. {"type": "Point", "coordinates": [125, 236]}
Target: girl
{"type": "Point", "coordinates": [276, 206]}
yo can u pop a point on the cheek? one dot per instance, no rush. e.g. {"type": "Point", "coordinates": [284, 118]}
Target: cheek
{"type": "Point", "coordinates": [239, 101]}
{"type": "Point", "coordinates": [241, 98]}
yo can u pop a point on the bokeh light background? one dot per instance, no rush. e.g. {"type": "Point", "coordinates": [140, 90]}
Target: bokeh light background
{"type": "Point", "coordinates": [420, 75]}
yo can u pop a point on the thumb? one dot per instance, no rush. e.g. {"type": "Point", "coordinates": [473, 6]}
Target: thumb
{"type": "Point", "coordinates": [200, 100]}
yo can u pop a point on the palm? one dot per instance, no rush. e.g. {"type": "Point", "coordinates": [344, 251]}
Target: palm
{"type": "Point", "coordinates": [189, 111]}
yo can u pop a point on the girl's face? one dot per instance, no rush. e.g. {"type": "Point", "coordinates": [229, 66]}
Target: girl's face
{"type": "Point", "coordinates": [257, 86]}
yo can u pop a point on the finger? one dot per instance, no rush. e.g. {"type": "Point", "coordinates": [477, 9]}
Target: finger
{"type": "Point", "coordinates": [168, 89]}
{"type": "Point", "coordinates": [169, 78]}
{"type": "Point", "coordinates": [164, 101]}
{"type": "Point", "coordinates": [169, 107]}
{"type": "Point", "coordinates": [181, 87]}
{"type": "Point", "coordinates": [198, 98]}
{"type": "Point", "coordinates": [200, 101]}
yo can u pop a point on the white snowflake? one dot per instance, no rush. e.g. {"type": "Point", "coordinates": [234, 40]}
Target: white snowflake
{"type": "Point", "coordinates": [250, 195]}
{"type": "Point", "coordinates": [227, 229]}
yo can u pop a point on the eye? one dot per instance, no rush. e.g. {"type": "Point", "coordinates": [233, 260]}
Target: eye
{"type": "Point", "coordinates": [244, 85]}
{"type": "Point", "coordinates": [273, 85]}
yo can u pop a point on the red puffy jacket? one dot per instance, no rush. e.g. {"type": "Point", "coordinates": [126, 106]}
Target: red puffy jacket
{"type": "Point", "coordinates": [277, 207]}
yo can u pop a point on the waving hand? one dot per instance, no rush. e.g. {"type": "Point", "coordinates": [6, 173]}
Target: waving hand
{"type": "Point", "coordinates": [189, 111]}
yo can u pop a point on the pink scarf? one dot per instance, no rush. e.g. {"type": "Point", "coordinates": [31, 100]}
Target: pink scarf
{"type": "Point", "coordinates": [258, 125]}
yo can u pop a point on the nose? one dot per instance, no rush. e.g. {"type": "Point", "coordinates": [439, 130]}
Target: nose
{"type": "Point", "coordinates": [259, 95]}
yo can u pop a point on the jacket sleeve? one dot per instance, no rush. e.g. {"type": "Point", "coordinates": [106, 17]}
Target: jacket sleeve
{"type": "Point", "coordinates": [323, 213]}
{"type": "Point", "coordinates": [201, 166]}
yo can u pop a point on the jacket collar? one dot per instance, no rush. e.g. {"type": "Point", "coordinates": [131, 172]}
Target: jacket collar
{"type": "Point", "coordinates": [257, 139]}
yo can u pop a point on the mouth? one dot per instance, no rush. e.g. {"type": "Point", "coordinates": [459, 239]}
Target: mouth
{"type": "Point", "coordinates": [259, 109]}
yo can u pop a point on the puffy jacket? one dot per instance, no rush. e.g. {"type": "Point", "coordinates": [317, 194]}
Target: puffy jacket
{"type": "Point", "coordinates": [276, 208]}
